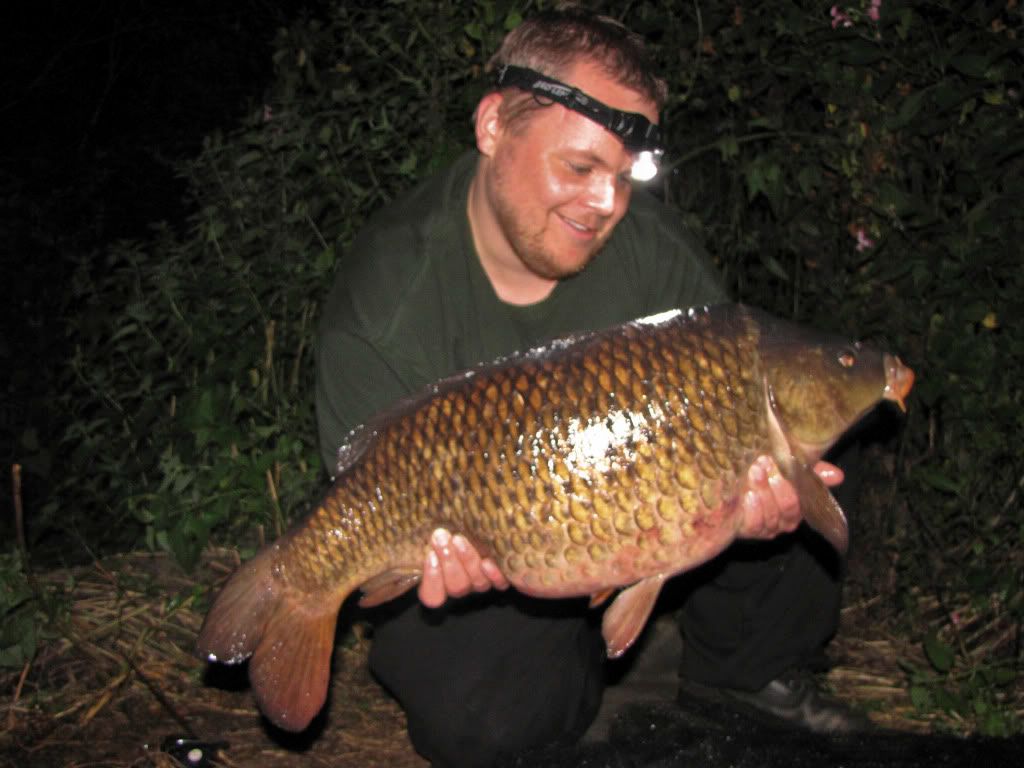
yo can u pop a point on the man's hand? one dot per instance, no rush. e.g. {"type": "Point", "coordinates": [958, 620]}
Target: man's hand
{"type": "Point", "coordinates": [453, 568]}
{"type": "Point", "coordinates": [770, 506]}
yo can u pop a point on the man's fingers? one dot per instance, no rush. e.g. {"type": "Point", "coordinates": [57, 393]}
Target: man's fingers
{"type": "Point", "coordinates": [431, 590]}
{"type": "Point", "coordinates": [830, 474]}
{"type": "Point", "coordinates": [494, 574]}
{"type": "Point", "coordinates": [471, 562]}
{"type": "Point", "coordinates": [452, 567]}
{"type": "Point", "coordinates": [456, 580]}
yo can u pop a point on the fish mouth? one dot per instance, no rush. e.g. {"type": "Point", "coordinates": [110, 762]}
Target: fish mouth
{"type": "Point", "coordinates": [898, 381]}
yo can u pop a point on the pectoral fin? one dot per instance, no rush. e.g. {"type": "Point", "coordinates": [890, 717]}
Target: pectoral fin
{"type": "Point", "coordinates": [388, 585]}
{"type": "Point", "coordinates": [819, 507]}
{"type": "Point", "coordinates": [628, 614]}
{"type": "Point", "coordinates": [598, 598]}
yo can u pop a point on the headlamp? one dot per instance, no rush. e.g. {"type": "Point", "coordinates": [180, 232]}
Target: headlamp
{"type": "Point", "coordinates": [638, 134]}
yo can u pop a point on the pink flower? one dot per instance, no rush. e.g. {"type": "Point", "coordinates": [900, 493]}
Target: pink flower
{"type": "Point", "coordinates": [863, 241]}
{"type": "Point", "coordinates": [268, 113]}
{"type": "Point", "coordinates": [875, 11]}
{"type": "Point", "coordinates": [838, 17]}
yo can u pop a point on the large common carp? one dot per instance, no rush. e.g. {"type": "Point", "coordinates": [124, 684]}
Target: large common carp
{"type": "Point", "coordinates": [598, 461]}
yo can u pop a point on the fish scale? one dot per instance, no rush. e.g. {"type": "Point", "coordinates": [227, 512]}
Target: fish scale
{"type": "Point", "coordinates": [605, 460]}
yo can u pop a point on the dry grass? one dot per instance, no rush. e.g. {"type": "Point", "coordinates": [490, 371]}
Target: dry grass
{"type": "Point", "coordinates": [120, 679]}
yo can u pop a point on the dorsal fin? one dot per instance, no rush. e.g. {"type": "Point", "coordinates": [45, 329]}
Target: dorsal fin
{"type": "Point", "coordinates": [355, 445]}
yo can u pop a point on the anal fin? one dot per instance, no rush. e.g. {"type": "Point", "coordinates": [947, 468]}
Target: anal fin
{"type": "Point", "coordinates": [628, 613]}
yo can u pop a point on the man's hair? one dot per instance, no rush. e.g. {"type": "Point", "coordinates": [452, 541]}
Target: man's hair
{"type": "Point", "coordinates": [553, 41]}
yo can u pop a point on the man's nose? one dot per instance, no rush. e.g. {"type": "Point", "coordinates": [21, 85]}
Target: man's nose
{"type": "Point", "coordinates": [601, 193]}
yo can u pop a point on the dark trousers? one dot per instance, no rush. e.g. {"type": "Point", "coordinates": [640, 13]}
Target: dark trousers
{"type": "Point", "coordinates": [492, 674]}
{"type": "Point", "coordinates": [489, 675]}
{"type": "Point", "coordinates": [763, 609]}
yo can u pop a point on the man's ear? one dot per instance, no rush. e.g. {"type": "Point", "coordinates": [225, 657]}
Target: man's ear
{"type": "Point", "coordinates": [487, 123]}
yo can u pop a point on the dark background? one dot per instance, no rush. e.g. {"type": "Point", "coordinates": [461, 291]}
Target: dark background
{"type": "Point", "coordinates": [100, 98]}
{"type": "Point", "coordinates": [98, 101]}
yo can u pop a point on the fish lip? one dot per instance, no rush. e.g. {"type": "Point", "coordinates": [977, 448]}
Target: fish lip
{"type": "Point", "coordinates": [899, 379]}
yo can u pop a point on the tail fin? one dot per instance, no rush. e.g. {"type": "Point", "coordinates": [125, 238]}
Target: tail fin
{"type": "Point", "coordinates": [289, 635]}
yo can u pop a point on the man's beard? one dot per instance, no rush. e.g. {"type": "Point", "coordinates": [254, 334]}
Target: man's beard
{"type": "Point", "coordinates": [529, 245]}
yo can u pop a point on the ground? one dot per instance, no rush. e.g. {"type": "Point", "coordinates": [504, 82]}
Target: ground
{"type": "Point", "coordinates": [118, 680]}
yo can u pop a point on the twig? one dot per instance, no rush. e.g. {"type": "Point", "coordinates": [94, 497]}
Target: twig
{"type": "Point", "coordinates": [308, 310]}
{"type": "Point", "coordinates": [316, 231]}
{"type": "Point", "coordinates": [19, 513]}
{"type": "Point", "coordinates": [164, 701]}
{"type": "Point", "coordinates": [278, 516]}
{"type": "Point", "coordinates": [268, 360]}
{"type": "Point", "coordinates": [1009, 499]}
{"type": "Point", "coordinates": [17, 695]}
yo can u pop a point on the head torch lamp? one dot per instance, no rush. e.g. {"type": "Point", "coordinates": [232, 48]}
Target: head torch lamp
{"type": "Point", "coordinates": [638, 134]}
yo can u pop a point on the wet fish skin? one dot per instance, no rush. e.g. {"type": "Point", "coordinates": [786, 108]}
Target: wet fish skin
{"type": "Point", "coordinates": [604, 460]}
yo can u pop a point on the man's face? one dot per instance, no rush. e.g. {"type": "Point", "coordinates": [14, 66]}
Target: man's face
{"type": "Point", "coordinates": [561, 183]}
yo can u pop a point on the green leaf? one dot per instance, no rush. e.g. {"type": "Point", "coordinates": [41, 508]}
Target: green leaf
{"type": "Point", "coordinates": [324, 261]}
{"type": "Point", "coordinates": [809, 179]}
{"type": "Point", "coordinates": [909, 109]}
{"type": "Point", "coordinates": [970, 64]}
{"type": "Point", "coordinates": [938, 480]}
{"type": "Point", "coordinates": [861, 53]}
{"type": "Point", "coordinates": [728, 147]}
{"type": "Point", "coordinates": [772, 265]}
{"type": "Point", "coordinates": [408, 165]}
{"type": "Point", "coordinates": [940, 654]}
{"type": "Point", "coordinates": [921, 698]}
{"type": "Point", "coordinates": [247, 158]}
{"type": "Point", "coordinates": [1003, 676]}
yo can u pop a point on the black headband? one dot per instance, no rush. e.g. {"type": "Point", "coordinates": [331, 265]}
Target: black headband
{"type": "Point", "coordinates": [638, 134]}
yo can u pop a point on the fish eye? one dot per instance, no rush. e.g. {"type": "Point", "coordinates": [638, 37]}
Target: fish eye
{"type": "Point", "coordinates": [847, 359]}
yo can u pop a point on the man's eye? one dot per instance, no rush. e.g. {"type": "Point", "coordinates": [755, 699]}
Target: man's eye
{"type": "Point", "coordinates": [579, 170]}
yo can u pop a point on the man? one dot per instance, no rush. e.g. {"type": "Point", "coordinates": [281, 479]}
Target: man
{"type": "Point", "coordinates": [538, 234]}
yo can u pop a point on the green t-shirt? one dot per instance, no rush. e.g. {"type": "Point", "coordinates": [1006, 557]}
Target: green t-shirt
{"type": "Point", "coordinates": [411, 304]}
